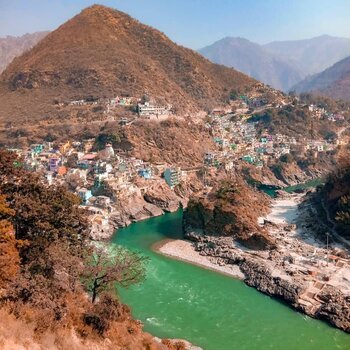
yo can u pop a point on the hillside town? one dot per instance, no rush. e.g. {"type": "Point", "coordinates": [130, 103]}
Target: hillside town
{"type": "Point", "coordinates": [100, 179]}
{"type": "Point", "coordinates": [238, 139]}
{"type": "Point", "coordinates": [103, 177]}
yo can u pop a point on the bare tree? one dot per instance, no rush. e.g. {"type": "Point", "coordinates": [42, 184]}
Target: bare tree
{"type": "Point", "coordinates": [109, 266]}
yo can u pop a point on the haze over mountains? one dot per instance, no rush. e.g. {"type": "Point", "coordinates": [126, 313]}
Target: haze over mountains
{"type": "Point", "coordinates": [333, 82]}
{"type": "Point", "coordinates": [312, 55]}
{"type": "Point", "coordinates": [12, 46]}
{"type": "Point", "coordinates": [254, 60]}
{"type": "Point", "coordinates": [281, 64]}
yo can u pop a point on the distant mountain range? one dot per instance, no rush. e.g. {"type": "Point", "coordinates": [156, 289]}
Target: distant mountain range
{"type": "Point", "coordinates": [12, 46]}
{"type": "Point", "coordinates": [333, 82]}
{"type": "Point", "coordinates": [254, 60]}
{"type": "Point", "coordinates": [285, 65]}
{"type": "Point", "coordinates": [281, 64]}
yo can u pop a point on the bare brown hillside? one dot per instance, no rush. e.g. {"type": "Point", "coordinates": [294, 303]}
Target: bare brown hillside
{"type": "Point", "coordinates": [173, 141]}
{"type": "Point", "coordinates": [104, 52]}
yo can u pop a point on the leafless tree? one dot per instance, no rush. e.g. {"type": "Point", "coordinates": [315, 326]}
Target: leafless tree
{"type": "Point", "coordinates": [109, 266]}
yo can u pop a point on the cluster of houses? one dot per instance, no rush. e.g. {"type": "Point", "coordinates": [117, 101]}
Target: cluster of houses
{"type": "Point", "coordinates": [108, 102]}
{"type": "Point", "coordinates": [146, 110]}
{"type": "Point", "coordinates": [101, 177]}
{"type": "Point", "coordinates": [236, 136]}
{"type": "Point", "coordinates": [322, 113]}
{"type": "Point", "coordinates": [88, 173]}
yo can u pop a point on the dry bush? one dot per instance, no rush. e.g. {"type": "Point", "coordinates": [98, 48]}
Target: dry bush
{"type": "Point", "coordinates": [172, 141]}
{"type": "Point", "coordinates": [174, 345]}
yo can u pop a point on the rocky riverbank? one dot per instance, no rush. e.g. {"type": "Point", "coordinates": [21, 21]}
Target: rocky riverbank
{"type": "Point", "coordinates": [299, 270]}
{"type": "Point", "coordinates": [290, 174]}
{"type": "Point", "coordinates": [141, 200]}
{"type": "Point", "coordinates": [136, 203]}
{"type": "Point", "coordinates": [145, 199]}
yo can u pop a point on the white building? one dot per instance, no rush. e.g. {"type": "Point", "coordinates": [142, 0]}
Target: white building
{"type": "Point", "coordinates": [147, 109]}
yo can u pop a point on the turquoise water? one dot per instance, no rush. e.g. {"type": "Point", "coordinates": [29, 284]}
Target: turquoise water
{"type": "Point", "coordinates": [271, 190]}
{"type": "Point", "coordinates": [216, 312]}
{"type": "Point", "coordinates": [306, 185]}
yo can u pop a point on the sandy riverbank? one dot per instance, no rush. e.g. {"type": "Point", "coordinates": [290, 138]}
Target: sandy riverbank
{"type": "Point", "coordinates": [284, 210]}
{"type": "Point", "coordinates": [183, 250]}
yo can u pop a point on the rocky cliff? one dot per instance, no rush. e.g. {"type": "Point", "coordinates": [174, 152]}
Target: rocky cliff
{"type": "Point", "coordinates": [231, 209]}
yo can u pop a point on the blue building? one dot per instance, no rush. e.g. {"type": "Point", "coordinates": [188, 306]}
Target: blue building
{"type": "Point", "coordinates": [172, 177]}
{"type": "Point", "coordinates": [37, 148]}
{"type": "Point", "coordinates": [145, 173]}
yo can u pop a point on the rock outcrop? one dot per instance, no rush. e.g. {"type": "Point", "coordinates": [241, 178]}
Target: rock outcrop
{"type": "Point", "coordinates": [285, 175]}
{"type": "Point", "coordinates": [333, 306]}
{"type": "Point", "coordinates": [335, 309]}
{"type": "Point", "coordinates": [230, 210]}
{"type": "Point", "coordinates": [162, 197]}
{"type": "Point", "coordinates": [260, 277]}
{"type": "Point", "coordinates": [133, 209]}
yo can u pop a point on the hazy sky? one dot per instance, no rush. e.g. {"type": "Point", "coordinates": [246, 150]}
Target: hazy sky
{"type": "Point", "coordinates": [195, 23]}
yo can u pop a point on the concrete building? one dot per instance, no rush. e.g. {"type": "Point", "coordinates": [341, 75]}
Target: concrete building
{"type": "Point", "coordinates": [147, 109]}
{"type": "Point", "coordinates": [84, 194]}
{"type": "Point", "coordinates": [172, 176]}
{"type": "Point", "coordinates": [53, 163]}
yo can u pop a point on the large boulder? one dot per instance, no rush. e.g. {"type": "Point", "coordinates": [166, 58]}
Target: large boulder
{"type": "Point", "coordinates": [163, 197]}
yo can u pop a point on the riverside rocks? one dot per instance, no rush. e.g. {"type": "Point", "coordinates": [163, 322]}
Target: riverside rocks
{"type": "Point", "coordinates": [260, 277]}
{"type": "Point", "coordinates": [291, 174]}
{"type": "Point", "coordinates": [335, 309]}
{"type": "Point", "coordinates": [260, 272]}
{"type": "Point", "coordinates": [140, 204]}
{"type": "Point", "coordinates": [132, 210]}
{"type": "Point", "coordinates": [163, 198]}
{"type": "Point", "coordinates": [257, 274]}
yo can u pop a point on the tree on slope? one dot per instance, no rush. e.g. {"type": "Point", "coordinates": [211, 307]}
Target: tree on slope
{"type": "Point", "coordinates": [107, 267]}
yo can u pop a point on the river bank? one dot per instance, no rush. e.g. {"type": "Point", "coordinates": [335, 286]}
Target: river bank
{"type": "Point", "coordinates": [183, 250]}
{"type": "Point", "coordinates": [297, 271]}
{"type": "Point", "coordinates": [151, 198]}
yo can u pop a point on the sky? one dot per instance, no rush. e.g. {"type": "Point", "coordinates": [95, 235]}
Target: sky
{"type": "Point", "coordinates": [194, 23]}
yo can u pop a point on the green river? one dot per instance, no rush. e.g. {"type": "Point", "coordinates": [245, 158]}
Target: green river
{"type": "Point", "coordinates": [214, 311]}
{"type": "Point", "coordinates": [271, 190]}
